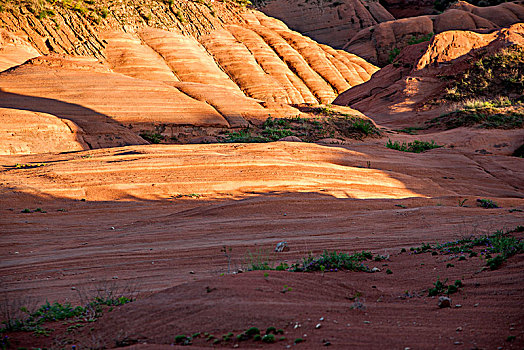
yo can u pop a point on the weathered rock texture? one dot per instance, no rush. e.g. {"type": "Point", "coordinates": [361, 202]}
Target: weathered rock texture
{"type": "Point", "coordinates": [328, 21]}
{"type": "Point", "coordinates": [379, 43]}
{"type": "Point", "coordinates": [396, 91]}
{"type": "Point", "coordinates": [230, 74]}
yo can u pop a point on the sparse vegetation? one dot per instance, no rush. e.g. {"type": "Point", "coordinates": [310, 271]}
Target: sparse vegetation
{"type": "Point", "coordinates": [420, 39]}
{"type": "Point", "coordinates": [487, 203]}
{"type": "Point", "coordinates": [393, 54]}
{"type": "Point", "coordinates": [152, 137]}
{"type": "Point", "coordinates": [331, 124]}
{"type": "Point", "coordinates": [440, 287]}
{"type": "Point", "coordinates": [497, 113]}
{"type": "Point", "coordinates": [414, 147]}
{"type": "Point", "coordinates": [493, 75]}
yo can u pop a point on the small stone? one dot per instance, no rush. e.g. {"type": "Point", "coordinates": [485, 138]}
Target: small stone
{"type": "Point", "coordinates": [112, 228]}
{"type": "Point", "coordinates": [459, 329]}
{"type": "Point", "coordinates": [73, 288]}
{"type": "Point", "coordinates": [281, 247]}
{"type": "Point", "coordinates": [191, 272]}
{"type": "Point", "coordinates": [296, 326]}
{"type": "Point", "coordinates": [407, 348]}
{"type": "Point", "coordinates": [115, 277]}
{"type": "Point", "coordinates": [318, 326]}
{"type": "Point", "coordinates": [367, 322]}
{"type": "Point", "coordinates": [458, 306]}
{"type": "Point", "coordinates": [375, 269]}
{"type": "Point", "coordinates": [444, 302]}
{"type": "Point", "coordinates": [349, 324]}
{"type": "Point", "coordinates": [327, 343]}
{"type": "Point", "coordinates": [457, 343]}
{"type": "Point", "coordinates": [321, 319]}
{"type": "Point", "coordinates": [477, 304]}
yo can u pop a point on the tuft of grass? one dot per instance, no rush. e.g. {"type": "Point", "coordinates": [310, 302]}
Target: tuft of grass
{"type": "Point", "coordinates": [496, 113]}
{"type": "Point", "coordinates": [487, 203]}
{"type": "Point", "coordinates": [414, 147]}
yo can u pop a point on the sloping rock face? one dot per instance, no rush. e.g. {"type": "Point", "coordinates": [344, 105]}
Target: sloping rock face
{"type": "Point", "coordinates": [146, 79]}
{"type": "Point", "coordinates": [327, 21]}
{"type": "Point", "coordinates": [502, 15]}
{"type": "Point", "coordinates": [409, 8]}
{"type": "Point", "coordinates": [399, 89]}
{"type": "Point", "coordinates": [380, 43]}
{"type": "Point", "coordinates": [14, 50]}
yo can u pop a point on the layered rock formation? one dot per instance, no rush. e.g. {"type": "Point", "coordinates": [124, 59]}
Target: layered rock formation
{"type": "Point", "coordinates": [145, 79]}
{"type": "Point", "coordinates": [380, 43]}
{"type": "Point", "coordinates": [327, 21]}
{"type": "Point", "coordinates": [398, 90]}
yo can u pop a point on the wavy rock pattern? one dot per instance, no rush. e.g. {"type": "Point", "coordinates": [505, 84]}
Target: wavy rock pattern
{"type": "Point", "coordinates": [326, 21]}
{"type": "Point", "coordinates": [377, 43]}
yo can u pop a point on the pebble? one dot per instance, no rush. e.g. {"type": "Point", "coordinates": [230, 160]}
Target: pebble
{"type": "Point", "coordinates": [191, 272]}
{"type": "Point", "coordinates": [459, 329]}
{"type": "Point", "coordinates": [112, 228]}
{"type": "Point", "coordinates": [321, 319]}
{"type": "Point", "coordinates": [444, 302]}
{"type": "Point", "coordinates": [477, 304]}
{"type": "Point", "coordinates": [115, 277]}
{"type": "Point", "coordinates": [318, 326]}
{"type": "Point", "coordinates": [457, 343]}
{"type": "Point", "coordinates": [458, 305]}
{"type": "Point", "coordinates": [367, 322]}
{"type": "Point", "coordinates": [73, 288]}
{"type": "Point", "coordinates": [375, 269]}
{"type": "Point", "coordinates": [407, 348]}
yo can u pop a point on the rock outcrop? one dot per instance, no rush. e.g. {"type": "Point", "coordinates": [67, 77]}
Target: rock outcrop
{"type": "Point", "coordinates": [399, 91]}
{"type": "Point", "coordinates": [380, 43]}
{"type": "Point", "coordinates": [329, 22]}
{"type": "Point", "coordinates": [149, 80]}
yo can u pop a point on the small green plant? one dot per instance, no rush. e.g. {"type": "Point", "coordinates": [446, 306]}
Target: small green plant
{"type": "Point", "coordinates": [393, 54]}
{"type": "Point", "coordinates": [251, 332]}
{"type": "Point", "coordinates": [257, 337]}
{"type": "Point", "coordinates": [298, 340]}
{"type": "Point", "coordinates": [268, 338]}
{"type": "Point", "coordinates": [417, 40]}
{"type": "Point", "coordinates": [487, 203]}
{"type": "Point", "coordinates": [389, 272]}
{"type": "Point", "coordinates": [414, 147]}
{"type": "Point", "coordinates": [440, 287]}
{"type": "Point", "coordinates": [152, 137]}
{"type": "Point", "coordinates": [462, 202]}
{"type": "Point", "coordinates": [182, 340]}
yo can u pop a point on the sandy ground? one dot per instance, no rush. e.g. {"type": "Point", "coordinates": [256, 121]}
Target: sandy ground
{"type": "Point", "coordinates": [157, 217]}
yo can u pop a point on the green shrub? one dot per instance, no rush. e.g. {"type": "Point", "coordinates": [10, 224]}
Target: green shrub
{"type": "Point", "coordinates": [414, 147]}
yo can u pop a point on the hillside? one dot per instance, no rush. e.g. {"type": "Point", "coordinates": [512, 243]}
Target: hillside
{"type": "Point", "coordinates": [235, 74]}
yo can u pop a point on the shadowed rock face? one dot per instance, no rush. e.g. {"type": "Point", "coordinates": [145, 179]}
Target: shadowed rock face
{"type": "Point", "coordinates": [328, 21]}
{"type": "Point", "coordinates": [378, 43]}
